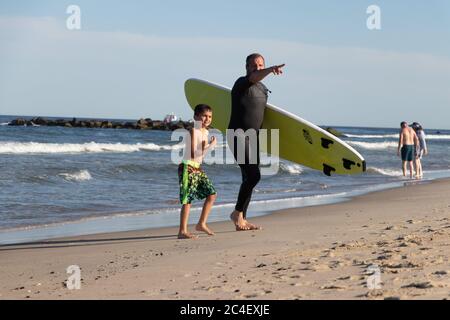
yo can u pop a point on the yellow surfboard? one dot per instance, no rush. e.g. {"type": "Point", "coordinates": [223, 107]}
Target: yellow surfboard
{"type": "Point", "coordinates": [299, 140]}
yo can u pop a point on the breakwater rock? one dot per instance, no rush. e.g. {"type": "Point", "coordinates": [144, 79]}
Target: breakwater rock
{"type": "Point", "coordinates": [141, 124]}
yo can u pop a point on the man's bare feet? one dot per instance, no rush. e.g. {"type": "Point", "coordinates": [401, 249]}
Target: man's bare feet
{"type": "Point", "coordinates": [252, 226]}
{"type": "Point", "coordinates": [239, 221]}
{"type": "Point", "coordinates": [204, 228]}
{"type": "Point", "coordinates": [187, 235]}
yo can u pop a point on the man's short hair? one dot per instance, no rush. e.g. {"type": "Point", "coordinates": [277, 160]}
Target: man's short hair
{"type": "Point", "coordinates": [253, 56]}
{"type": "Point", "coordinates": [200, 108]}
{"type": "Point", "coordinates": [403, 124]}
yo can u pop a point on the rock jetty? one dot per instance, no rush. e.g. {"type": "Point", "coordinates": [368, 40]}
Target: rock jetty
{"type": "Point", "coordinates": [141, 124]}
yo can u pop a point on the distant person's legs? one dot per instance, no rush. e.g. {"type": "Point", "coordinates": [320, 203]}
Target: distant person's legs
{"type": "Point", "coordinates": [408, 157]}
{"type": "Point", "coordinates": [416, 164]}
{"type": "Point", "coordinates": [419, 170]}
{"type": "Point", "coordinates": [404, 168]}
{"type": "Point", "coordinates": [411, 169]}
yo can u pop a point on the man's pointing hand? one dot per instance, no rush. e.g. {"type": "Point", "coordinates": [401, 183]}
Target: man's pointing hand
{"type": "Point", "coordinates": [277, 69]}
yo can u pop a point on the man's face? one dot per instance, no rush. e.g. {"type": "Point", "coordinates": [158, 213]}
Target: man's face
{"type": "Point", "coordinates": [255, 65]}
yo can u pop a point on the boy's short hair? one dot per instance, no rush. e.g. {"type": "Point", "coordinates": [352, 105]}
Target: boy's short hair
{"type": "Point", "coordinates": [200, 108]}
{"type": "Point", "coordinates": [403, 124]}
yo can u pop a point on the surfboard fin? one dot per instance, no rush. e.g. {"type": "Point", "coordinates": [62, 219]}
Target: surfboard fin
{"type": "Point", "coordinates": [307, 136]}
{"type": "Point", "coordinates": [348, 164]}
{"type": "Point", "coordinates": [326, 142]}
{"type": "Point", "coordinates": [328, 169]}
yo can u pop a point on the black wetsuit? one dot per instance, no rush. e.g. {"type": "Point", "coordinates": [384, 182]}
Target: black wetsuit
{"type": "Point", "coordinates": [248, 102]}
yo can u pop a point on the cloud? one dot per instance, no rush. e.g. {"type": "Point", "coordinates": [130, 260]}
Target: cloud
{"type": "Point", "coordinates": [49, 70]}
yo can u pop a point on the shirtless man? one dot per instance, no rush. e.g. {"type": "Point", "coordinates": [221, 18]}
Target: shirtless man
{"type": "Point", "coordinates": [407, 143]}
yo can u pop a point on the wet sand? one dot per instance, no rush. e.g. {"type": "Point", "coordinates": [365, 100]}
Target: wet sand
{"type": "Point", "coordinates": [398, 240]}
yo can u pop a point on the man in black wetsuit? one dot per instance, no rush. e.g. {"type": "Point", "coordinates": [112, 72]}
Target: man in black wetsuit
{"type": "Point", "coordinates": [248, 102]}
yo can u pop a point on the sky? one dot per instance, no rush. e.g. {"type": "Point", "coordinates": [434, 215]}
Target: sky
{"type": "Point", "coordinates": [130, 59]}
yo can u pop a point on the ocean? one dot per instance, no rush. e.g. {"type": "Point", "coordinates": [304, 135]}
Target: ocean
{"type": "Point", "coordinates": [58, 181]}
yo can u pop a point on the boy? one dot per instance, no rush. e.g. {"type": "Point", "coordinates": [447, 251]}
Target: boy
{"type": "Point", "coordinates": [194, 184]}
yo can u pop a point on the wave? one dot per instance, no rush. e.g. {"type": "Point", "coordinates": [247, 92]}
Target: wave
{"type": "Point", "coordinates": [4, 123]}
{"type": "Point", "coordinates": [437, 136]}
{"type": "Point", "coordinates": [91, 147]}
{"type": "Point", "coordinates": [371, 136]}
{"type": "Point", "coordinates": [82, 175]}
{"type": "Point", "coordinates": [386, 136]}
{"type": "Point", "coordinates": [374, 145]}
{"type": "Point", "coordinates": [385, 172]}
{"type": "Point", "coordinates": [291, 168]}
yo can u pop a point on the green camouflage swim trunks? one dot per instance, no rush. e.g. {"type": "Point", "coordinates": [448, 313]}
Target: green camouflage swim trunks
{"type": "Point", "coordinates": [194, 183]}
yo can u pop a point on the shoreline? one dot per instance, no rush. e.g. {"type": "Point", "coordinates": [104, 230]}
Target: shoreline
{"type": "Point", "coordinates": [320, 252]}
{"type": "Point", "coordinates": [133, 221]}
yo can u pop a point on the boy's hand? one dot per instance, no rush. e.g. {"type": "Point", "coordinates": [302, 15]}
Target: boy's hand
{"type": "Point", "coordinates": [213, 142]}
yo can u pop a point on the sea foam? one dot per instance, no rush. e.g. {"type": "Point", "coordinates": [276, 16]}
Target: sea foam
{"type": "Point", "coordinates": [82, 175]}
{"type": "Point", "coordinates": [374, 145]}
{"type": "Point", "coordinates": [91, 147]}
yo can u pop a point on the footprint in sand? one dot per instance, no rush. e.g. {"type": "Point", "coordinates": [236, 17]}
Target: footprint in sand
{"type": "Point", "coordinates": [333, 287]}
{"type": "Point", "coordinates": [335, 264]}
{"type": "Point", "coordinates": [321, 267]}
{"type": "Point", "coordinates": [401, 265]}
{"type": "Point", "coordinates": [384, 257]}
{"type": "Point", "coordinates": [301, 284]}
{"type": "Point", "coordinates": [383, 243]}
{"type": "Point", "coordinates": [439, 260]}
{"type": "Point", "coordinates": [440, 273]}
{"type": "Point", "coordinates": [419, 285]}
{"type": "Point", "coordinates": [414, 221]}
{"type": "Point", "coordinates": [376, 293]}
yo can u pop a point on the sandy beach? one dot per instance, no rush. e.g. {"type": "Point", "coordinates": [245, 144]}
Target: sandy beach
{"type": "Point", "coordinates": [322, 252]}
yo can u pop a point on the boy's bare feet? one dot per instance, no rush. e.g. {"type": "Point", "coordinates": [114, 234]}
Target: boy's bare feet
{"type": "Point", "coordinates": [186, 235]}
{"type": "Point", "coordinates": [239, 221]}
{"type": "Point", "coordinates": [204, 228]}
